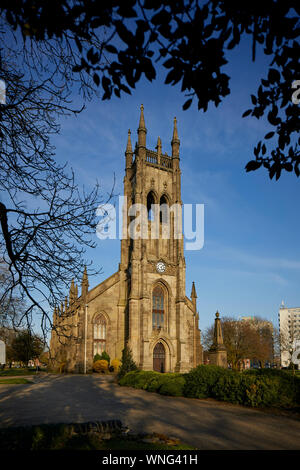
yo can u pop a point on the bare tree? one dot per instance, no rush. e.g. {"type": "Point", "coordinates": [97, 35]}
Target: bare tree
{"type": "Point", "coordinates": [261, 340]}
{"type": "Point", "coordinates": [12, 309]}
{"type": "Point", "coordinates": [46, 220]}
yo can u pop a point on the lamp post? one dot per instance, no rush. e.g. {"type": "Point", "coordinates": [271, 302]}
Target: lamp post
{"type": "Point", "coordinates": [85, 335]}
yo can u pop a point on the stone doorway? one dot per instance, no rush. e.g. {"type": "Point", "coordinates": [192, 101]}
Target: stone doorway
{"type": "Point", "coordinates": [159, 358]}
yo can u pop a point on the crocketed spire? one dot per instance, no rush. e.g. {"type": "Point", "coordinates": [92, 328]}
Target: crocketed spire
{"type": "Point", "coordinates": [84, 283]}
{"type": "Point", "coordinates": [142, 125]}
{"type": "Point", "coordinates": [175, 130]}
{"type": "Point", "coordinates": [193, 293]}
{"type": "Point", "coordinates": [175, 142]}
{"type": "Point", "coordinates": [159, 145]}
{"type": "Point", "coordinates": [142, 131]}
{"type": "Point", "coordinates": [72, 291]}
{"type": "Point", "coordinates": [129, 147]}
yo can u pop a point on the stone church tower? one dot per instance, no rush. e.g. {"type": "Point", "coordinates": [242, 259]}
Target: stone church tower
{"type": "Point", "coordinates": [144, 303]}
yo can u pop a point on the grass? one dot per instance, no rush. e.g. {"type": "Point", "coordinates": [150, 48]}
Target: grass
{"type": "Point", "coordinates": [297, 373]}
{"type": "Point", "coordinates": [15, 381]}
{"type": "Point", "coordinates": [67, 437]}
{"type": "Point", "coordinates": [15, 371]}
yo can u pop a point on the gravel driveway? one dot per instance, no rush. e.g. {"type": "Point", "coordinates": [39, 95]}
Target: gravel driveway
{"type": "Point", "coordinates": [206, 424]}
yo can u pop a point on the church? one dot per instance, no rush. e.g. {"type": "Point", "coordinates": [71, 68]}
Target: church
{"type": "Point", "coordinates": [144, 303]}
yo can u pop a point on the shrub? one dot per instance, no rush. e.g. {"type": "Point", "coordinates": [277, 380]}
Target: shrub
{"type": "Point", "coordinates": [115, 364]}
{"type": "Point", "coordinates": [200, 381]}
{"type": "Point", "coordinates": [279, 387]}
{"type": "Point", "coordinates": [165, 384]}
{"type": "Point", "coordinates": [284, 374]}
{"type": "Point", "coordinates": [260, 388]}
{"type": "Point", "coordinates": [229, 387]}
{"type": "Point", "coordinates": [137, 378]}
{"type": "Point", "coordinates": [128, 363]}
{"type": "Point", "coordinates": [105, 357]}
{"type": "Point", "coordinates": [173, 387]}
{"type": "Point", "coordinates": [154, 380]}
{"type": "Point", "coordinates": [100, 366]}
{"type": "Point", "coordinates": [97, 357]}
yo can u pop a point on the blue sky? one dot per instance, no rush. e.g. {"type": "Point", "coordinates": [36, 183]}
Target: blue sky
{"type": "Point", "coordinates": [250, 261]}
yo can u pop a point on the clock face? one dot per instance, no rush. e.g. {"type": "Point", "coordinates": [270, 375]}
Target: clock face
{"type": "Point", "coordinates": [160, 267]}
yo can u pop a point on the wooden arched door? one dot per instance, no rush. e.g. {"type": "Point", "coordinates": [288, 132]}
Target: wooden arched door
{"type": "Point", "coordinates": [159, 358]}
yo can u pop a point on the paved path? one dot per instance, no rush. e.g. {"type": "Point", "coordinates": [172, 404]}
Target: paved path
{"type": "Point", "coordinates": [205, 424]}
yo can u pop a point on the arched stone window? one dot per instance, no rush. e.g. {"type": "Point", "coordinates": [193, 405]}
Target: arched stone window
{"type": "Point", "coordinates": [99, 334]}
{"type": "Point", "coordinates": [150, 202]}
{"type": "Point", "coordinates": [158, 309]}
{"type": "Point", "coordinates": [164, 210]}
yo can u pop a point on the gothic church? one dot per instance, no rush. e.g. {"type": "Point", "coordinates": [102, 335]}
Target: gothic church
{"type": "Point", "coordinates": [144, 303]}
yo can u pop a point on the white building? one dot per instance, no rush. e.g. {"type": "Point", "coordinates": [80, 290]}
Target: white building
{"type": "Point", "coordinates": [289, 328]}
{"type": "Point", "coordinates": [2, 352]}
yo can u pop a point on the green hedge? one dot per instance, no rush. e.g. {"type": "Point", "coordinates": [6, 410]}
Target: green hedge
{"type": "Point", "coordinates": [278, 387]}
{"type": "Point", "coordinates": [256, 388]}
{"type": "Point", "coordinates": [200, 381]}
{"type": "Point", "coordinates": [165, 384]}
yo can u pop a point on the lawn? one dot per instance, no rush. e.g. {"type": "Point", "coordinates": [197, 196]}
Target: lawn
{"type": "Point", "coordinates": [14, 381]}
{"type": "Point", "coordinates": [15, 371]}
{"type": "Point", "coordinates": [297, 372]}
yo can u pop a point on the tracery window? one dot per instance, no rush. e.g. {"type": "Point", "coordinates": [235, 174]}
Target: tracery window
{"type": "Point", "coordinates": [99, 334]}
{"type": "Point", "coordinates": [158, 307]}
